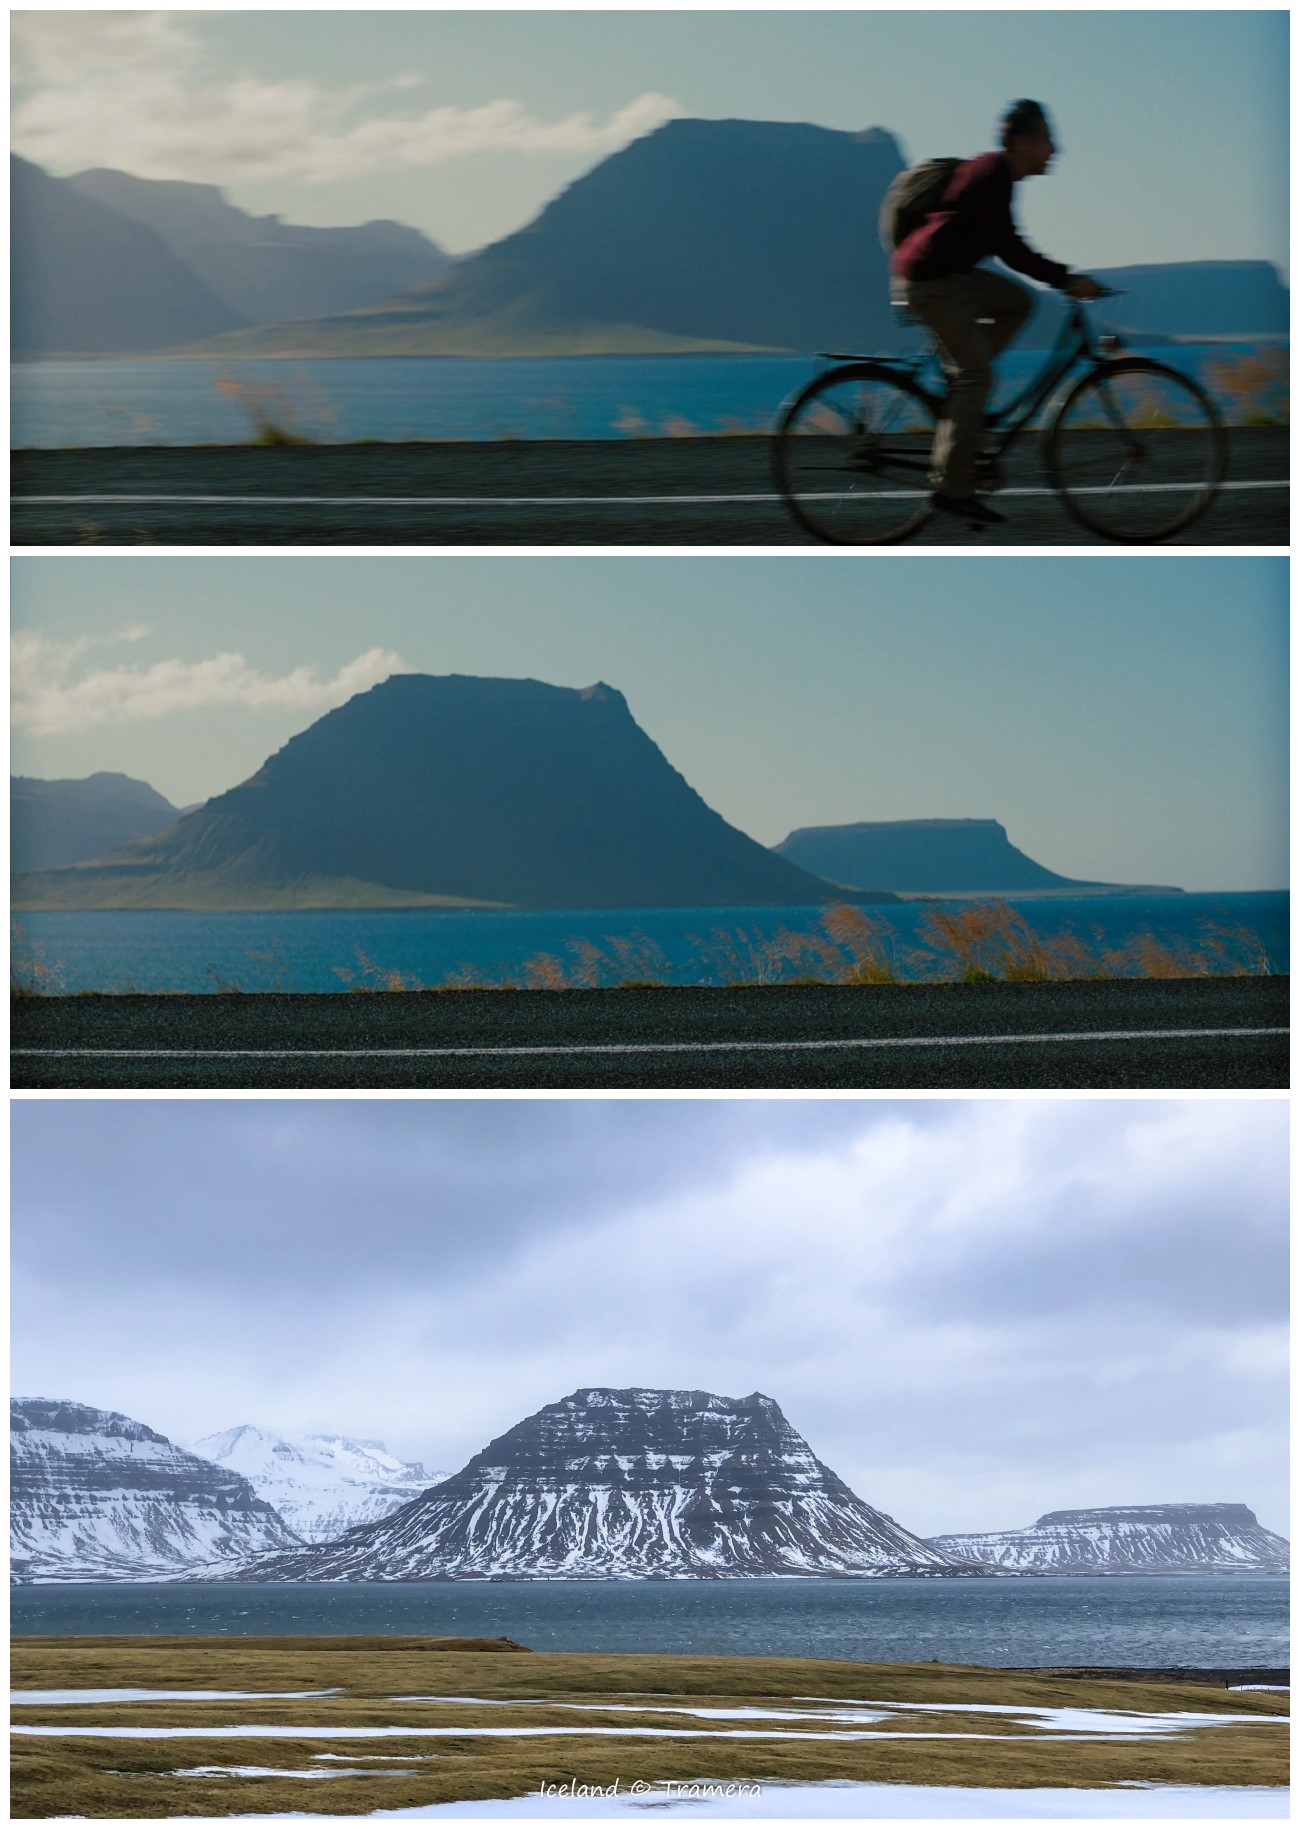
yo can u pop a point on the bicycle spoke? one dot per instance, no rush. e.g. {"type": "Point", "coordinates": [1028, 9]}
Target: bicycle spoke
{"type": "Point", "coordinates": [851, 456]}
{"type": "Point", "coordinates": [1136, 451]}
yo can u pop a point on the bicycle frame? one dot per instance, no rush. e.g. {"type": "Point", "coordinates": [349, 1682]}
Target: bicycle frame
{"type": "Point", "coordinates": [1074, 346]}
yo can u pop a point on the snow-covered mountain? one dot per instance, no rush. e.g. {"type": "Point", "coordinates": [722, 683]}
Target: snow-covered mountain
{"type": "Point", "coordinates": [96, 1496]}
{"type": "Point", "coordinates": [321, 1485]}
{"type": "Point", "coordinates": [630, 1483]}
{"type": "Point", "coordinates": [1132, 1540]}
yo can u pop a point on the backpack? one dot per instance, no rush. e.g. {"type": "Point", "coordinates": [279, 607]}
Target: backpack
{"type": "Point", "coordinates": [914, 195]}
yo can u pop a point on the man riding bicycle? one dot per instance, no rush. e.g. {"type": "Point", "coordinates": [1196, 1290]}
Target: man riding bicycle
{"type": "Point", "coordinates": [974, 313]}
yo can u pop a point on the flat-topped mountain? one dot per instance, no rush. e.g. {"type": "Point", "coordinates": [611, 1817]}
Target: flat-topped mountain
{"type": "Point", "coordinates": [703, 234]}
{"type": "Point", "coordinates": [1132, 1540]}
{"type": "Point", "coordinates": [97, 1496]}
{"type": "Point", "coordinates": [65, 822]}
{"type": "Point", "coordinates": [930, 857]}
{"type": "Point", "coordinates": [630, 1483]}
{"type": "Point", "coordinates": [321, 1485]}
{"type": "Point", "coordinates": [451, 791]}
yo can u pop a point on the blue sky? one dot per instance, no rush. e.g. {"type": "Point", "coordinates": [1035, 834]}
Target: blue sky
{"type": "Point", "coordinates": [1173, 124]}
{"type": "Point", "coordinates": [1124, 716]}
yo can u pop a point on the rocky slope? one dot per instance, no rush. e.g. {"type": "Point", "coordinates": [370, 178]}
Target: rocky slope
{"type": "Point", "coordinates": [1131, 1540]}
{"type": "Point", "coordinates": [52, 823]}
{"type": "Point", "coordinates": [96, 1496]}
{"type": "Point", "coordinates": [449, 791]}
{"type": "Point", "coordinates": [629, 1483]}
{"type": "Point", "coordinates": [929, 857]}
{"type": "Point", "coordinates": [321, 1485]}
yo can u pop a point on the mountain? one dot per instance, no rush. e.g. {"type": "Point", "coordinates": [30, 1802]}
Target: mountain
{"type": "Point", "coordinates": [1132, 1540]}
{"type": "Point", "coordinates": [1201, 298]}
{"type": "Point", "coordinates": [448, 790]}
{"type": "Point", "coordinates": [64, 822]}
{"type": "Point", "coordinates": [703, 234]}
{"type": "Point", "coordinates": [928, 857]}
{"type": "Point", "coordinates": [87, 280]}
{"type": "Point", "coordinates": [321, 1485]}
{"type": "Point", "coordinates": [95, 1496]}
{"type": "Point", "coordinates": [625, 1484]}
{"type": "Point", "coordinates": [262, 269]}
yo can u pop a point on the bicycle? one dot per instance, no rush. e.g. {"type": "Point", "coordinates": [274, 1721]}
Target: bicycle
{"type": "Point", "coordinates": [1135, 451]}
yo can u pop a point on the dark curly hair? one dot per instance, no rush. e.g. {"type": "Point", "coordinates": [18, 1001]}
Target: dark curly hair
{"type": "Point", "coordinates": [1022, 117]}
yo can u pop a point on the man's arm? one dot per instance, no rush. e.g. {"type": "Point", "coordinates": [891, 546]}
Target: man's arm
{"type": "Point", "coordinates": [993, 207]}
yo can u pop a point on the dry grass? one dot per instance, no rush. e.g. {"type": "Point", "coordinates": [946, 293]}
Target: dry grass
{"type": "Point", "coordinates": [136, 1778]}
{"type": "Point", "coordinates": [964, 942]}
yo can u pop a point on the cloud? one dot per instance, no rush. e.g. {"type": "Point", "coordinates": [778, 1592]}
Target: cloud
{"type": "Point", "coordinates": [431, 1271]}
{"type": "Point", "coordinates": [48, 701]}
{"type": "Point", "coordinates": [136, 91]}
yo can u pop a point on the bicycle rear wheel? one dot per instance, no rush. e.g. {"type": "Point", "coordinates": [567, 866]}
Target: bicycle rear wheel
{"type": "Point", "coordinates": [1137, 451]}
{"type": "Point", "coordinates": [851, 456]}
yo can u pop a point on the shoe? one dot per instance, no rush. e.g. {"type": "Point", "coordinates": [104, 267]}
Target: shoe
{"type": "Point", "coordinates": [967, 508]}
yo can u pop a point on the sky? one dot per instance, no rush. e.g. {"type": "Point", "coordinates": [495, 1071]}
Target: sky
{"type": "Point", "coordinates": [975, 1311]}
{"type": "Point", "coordinates": [1173, 124]}
{"type": "Point", "coordinates": [1125, 717]}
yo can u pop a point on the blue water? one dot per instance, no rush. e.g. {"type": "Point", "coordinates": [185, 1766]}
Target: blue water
{"type": "Point", "coordinates": [193, 401]}
{"type": "Point", "coordinates": [1126, 1620]}
{"type": "Point", "coordinates": [332, 950]}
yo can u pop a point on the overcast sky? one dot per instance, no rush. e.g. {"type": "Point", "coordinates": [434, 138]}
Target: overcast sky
{"type": "Point", "coordinates": [1173, 124]}
{"type": "Point", "coordinates": [1124, 716]}
{"type": "Point", "coordinates": [975, 1310]}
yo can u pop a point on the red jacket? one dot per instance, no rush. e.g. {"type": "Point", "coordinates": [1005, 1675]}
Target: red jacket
{"type": "Point", "coordinates": [973, 223]}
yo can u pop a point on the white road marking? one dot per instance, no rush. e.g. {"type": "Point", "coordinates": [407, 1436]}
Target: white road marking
{"type": "Point", "coordinates": [766, 498]}
{"type": "Point", "coordinates": [701, 1047]}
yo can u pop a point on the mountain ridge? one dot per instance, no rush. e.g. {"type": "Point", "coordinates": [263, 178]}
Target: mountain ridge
{"type": "Point", "coordinates": [451, 789]}
{"type": "Point", "coordinates": [625, 1483]}
{"type": "Point", "coordinates": [1212, 1539]}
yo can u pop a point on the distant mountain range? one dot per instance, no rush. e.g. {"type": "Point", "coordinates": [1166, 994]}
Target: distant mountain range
{"type": "Point", "coordinates": [703, 235]}
{"type": "Point", "coordinates": [625, 1484]}
{"type": "Point", "coordinates": [65, 822]}
{"type": "Point", "coordinates": [1131, 1540]}
{"type": "Point", "coordinates": [932, 857]}
{"type": "Point", "coordinates": [321, 1485]}
{"type": "Point", "coordinates": [454, 792]}
{"type": "Point", "coordinates": [97, 1496]}
{"type": "Point", "coordinates": [105, 262]}
{"type": "Point", "coordinates": [608, 1483]}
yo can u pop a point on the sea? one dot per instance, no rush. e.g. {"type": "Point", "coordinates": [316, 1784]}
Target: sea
{"type": "Point", "coordinates": [1145, 1621]}
{"type": "Point", "coordinates": [343, 949]}
{"type": "Point", "coordinates": [193, 401]}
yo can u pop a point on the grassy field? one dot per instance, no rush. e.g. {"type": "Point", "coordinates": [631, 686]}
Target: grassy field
{"type": "Point", "coordinates": [803, 1719]}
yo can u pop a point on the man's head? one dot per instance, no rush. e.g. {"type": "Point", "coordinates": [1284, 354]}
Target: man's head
{"type": "Point", "coordinates": [1026, 136]}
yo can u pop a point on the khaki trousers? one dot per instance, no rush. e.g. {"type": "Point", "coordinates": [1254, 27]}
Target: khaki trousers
{"type": "Point", "coordinates": [973, 317]}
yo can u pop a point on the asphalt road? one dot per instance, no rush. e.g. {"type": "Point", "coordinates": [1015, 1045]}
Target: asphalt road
{"type": "Point", "coordinates": [1120, 1033]}
{"type": "Point", "coordinates": [654, 491]}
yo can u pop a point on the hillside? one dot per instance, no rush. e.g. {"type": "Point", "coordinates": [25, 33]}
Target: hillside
{"type": "Point", "coordinates": [264, 269]}
{"type": "Point", "coordinates": [52, 823]}
{"type": "Point", "coordinates": [87, 280]}
{"type": "Point", "coordinates": [930, 857]}
{"type": "Point", "coordinates": [1131, 1540]}
{"type": "Point", "coordinates": [626, 1484]}
{"type": "Point", "coordinates": [97, 1496]}
{"type": "Point", "coordinates": [450, 791]}
{"type": "Point", "coordinates": [702, 235]}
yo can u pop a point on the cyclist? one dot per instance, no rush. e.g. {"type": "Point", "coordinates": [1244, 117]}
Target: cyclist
{"type": "Point", "coordinates": [972, 312]}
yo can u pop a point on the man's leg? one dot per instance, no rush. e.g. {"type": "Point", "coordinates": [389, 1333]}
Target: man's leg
{"type": "Point", "coordinates": [948, 307]}
{"type": "Point", "coordinates": [973, 316]}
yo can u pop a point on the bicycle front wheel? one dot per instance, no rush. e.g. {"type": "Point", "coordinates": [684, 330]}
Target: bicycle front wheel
{"type": "Point", "coordinates": [851, 456]}
{"type": "Point", "coordinates": [1137, 451]}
